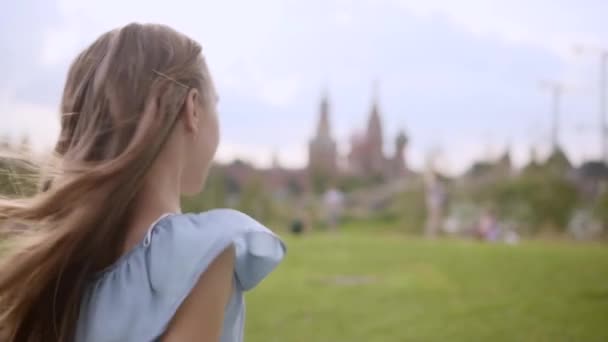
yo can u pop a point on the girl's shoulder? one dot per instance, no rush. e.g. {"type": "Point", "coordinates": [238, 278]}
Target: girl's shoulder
{"type": "Point", "coordinates": [185, 244]}
{"type": "Point", "coordinates": [157, 275]}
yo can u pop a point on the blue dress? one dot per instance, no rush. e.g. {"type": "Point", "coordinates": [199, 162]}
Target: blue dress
{"type": "Point", "coordinates": [135, 298]}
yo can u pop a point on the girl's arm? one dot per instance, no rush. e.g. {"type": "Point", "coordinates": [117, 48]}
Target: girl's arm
{"type": "Point", "coordinates": [201, 316]}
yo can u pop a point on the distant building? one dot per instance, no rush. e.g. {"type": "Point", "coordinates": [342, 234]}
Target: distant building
{"type": "Point", "coordinates": [367, 158]}
{"type": "Point", "coordinates": [322, 149]}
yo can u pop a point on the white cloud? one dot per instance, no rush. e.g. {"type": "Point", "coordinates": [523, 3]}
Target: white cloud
{"type": "Point", "coordinates": [270, 56]}
{"type": "Point", "coordinates": [59, 45]}
{"type": "Point", "coordinates": [548, 24]}
{"type": "Point", "coordinates": [279, 92]}
{"type": "Point", "coordinates": [268, 88]}
{"type": "Point", "coordinates": [344, 18]}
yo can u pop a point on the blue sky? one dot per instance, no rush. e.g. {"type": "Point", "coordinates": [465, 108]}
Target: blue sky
{"type": "Point", "coordinates": [461, 77]}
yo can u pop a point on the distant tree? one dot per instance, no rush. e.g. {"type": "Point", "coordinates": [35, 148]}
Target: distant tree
{"type": "Point", "coordinates": [213, 195]}
{"type": "Point", "coordinates": [410, 209]}
{"type": "Point", "coordinates": [377, 179]}
{"type": "Point", "coordinates": [232, 185]}
{"type": "Point", "coordinates": [320, 182]}
{"type": "Point", "coordinates": [535, 198]}
{"type": "Point", "coordinates": [255, 201]}
{"type": "Point", "coordinates": [351, 183]}
{"type": "Point", "coordinates": [558, 163]}
{"type": "Point", "coordinates": [294, 188]}
{"type": "Point", "coordinates": [601, 209]}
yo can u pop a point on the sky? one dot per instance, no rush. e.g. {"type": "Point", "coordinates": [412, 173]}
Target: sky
{"type": "Point", "coordinates": [462, 78]}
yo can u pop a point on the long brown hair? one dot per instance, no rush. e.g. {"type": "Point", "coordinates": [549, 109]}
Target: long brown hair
{"type": "Point", "coordinates": [122, 97]}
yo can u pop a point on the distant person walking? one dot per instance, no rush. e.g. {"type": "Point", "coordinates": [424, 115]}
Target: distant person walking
{"type": "Point", "coordinates": [488, 228]}
{"type": "Point", "coordinates": [333, 201]}
{"type": "Point", "coordinates": [435, 203]}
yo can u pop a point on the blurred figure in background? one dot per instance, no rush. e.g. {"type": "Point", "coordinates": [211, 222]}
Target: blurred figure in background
{"type": "Point", "coordinates": [435, 202]}
{"type": "Point", "coordinates": [333, 204]}
{"type": "Point", "coordinates": [488, 228]}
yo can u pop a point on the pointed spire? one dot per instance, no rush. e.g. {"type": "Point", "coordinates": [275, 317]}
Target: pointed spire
{"type": "Point", "coordinates": [374, 126]}
{"type": "Point", "coordinates": [374, 137]}
{"type": "Point", "coordinates": [323, 128]}
{"type": "Point", "coordinates": [375, 96]}
{"type": "Point", "coordinates": [322, 153]}
{"type": "Point", "coordinates": [325, 101]}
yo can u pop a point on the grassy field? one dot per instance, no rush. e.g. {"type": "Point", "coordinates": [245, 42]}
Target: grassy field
{"type": "Point", "coordinates": [364, 287]}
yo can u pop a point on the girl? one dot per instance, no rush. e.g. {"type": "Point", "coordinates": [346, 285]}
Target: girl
{"type": "Point", "coordinates": [108, 255]}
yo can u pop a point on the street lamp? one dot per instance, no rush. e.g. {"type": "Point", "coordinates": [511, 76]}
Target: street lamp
{"type": "Point", "coordinates": [603, 56]}
{"type": "Point", "coordinates": [556, 90]}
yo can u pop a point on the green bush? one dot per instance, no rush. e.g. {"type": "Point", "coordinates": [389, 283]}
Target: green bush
{"type": "Point", "coordinates": [601, 209]}
{"type": "Point", "coordinates": [409, 208]}
{"type": "Point", "coordinates": [256, 201]}
{"type": "Point", "coordinates": [214, 195]}
{"type": "Point", "coordinates": [534, 199]}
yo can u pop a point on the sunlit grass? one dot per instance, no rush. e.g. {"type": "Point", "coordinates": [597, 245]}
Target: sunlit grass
{"type": "Point", "coordinates": [386, 287]}
{"type": "Point", "coordinates": [366, 286]}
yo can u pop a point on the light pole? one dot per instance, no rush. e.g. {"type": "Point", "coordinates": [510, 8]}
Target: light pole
{"type": "Point", "coordinates": [556, 90]}
{"type": "Point", "coordinates": [603, 56]}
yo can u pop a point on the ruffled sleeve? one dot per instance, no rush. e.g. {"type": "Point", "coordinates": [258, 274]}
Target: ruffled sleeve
{"type": "Point", "coordinates": [137, 297]}
{"type": "Point", "coordinates": [258, 252]}
{"type": "Point", "coordinates": [183, 248]}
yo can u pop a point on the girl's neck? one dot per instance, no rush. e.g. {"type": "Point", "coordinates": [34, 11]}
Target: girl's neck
{"type": "Point", "coordinates": [159, 195]}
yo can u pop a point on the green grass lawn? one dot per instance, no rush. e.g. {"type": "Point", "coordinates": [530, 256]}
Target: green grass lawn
{"type": "Point", "coordinates": [387, 287]}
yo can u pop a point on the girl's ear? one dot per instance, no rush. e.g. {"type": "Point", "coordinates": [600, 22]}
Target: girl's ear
{"type": "Point", "coordinates": [191, 112]}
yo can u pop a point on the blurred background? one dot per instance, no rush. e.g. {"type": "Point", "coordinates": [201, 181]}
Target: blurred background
{"type": "Point", "coordinates": [437, 168]}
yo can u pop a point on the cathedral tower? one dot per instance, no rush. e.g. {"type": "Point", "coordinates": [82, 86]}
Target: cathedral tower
{"type": "Point", "coordinates": [322, 150]}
